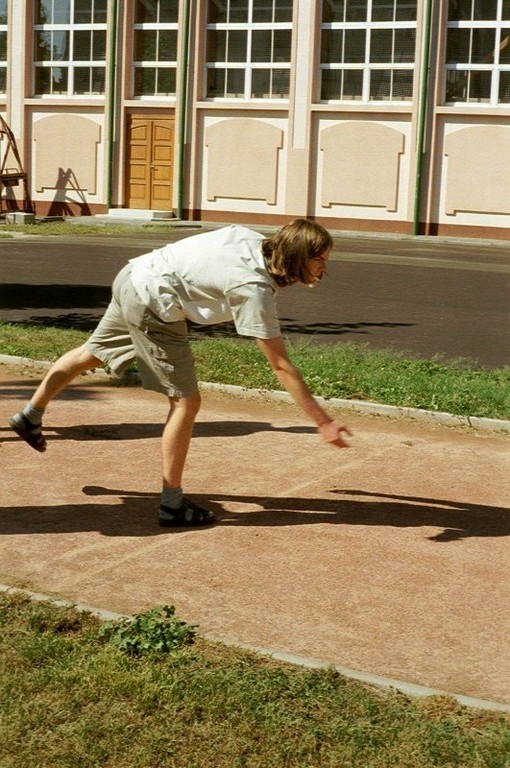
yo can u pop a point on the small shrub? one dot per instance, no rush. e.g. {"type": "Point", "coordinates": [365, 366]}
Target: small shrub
{"type": "Point", "coordinates": [155, 631]}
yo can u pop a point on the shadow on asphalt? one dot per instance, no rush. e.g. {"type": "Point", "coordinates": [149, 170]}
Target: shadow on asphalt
{"type": "Point", "coordinates": [135, 515]}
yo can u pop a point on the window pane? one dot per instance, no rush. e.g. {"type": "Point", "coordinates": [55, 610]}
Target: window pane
{"type": "Point", "coordinates": [261, 83]}
{"type": "Point", "coordinates": [59, 78]}
{"type": "Point", "coordinates": [145, 81]}
{"type": "Point", "coordinates": [281, 44]}
{"type": "Point", "coordinates": [405, 43]}
{"type": "Point", "coordinates": [459, 10]}
{"type": "Point", "coordinates": [381, 44]}
{"type": "Point", "coordinates": [479, 86]}
{"type": "Point", "coordinates": [485, 10]}
{"type": "Point", "coordinates": [382, 10]}
{"type": "Point", "coordinates": [146, 11]}
{"type": "Point", "coordinates": [82, 13]}
{"type": "Point", "coordinates": [355, 41]}
{"type": "Point", "coordinates": [261, 49]}
{"type": "Point", "coordinates": [262, 12]}
{"type": "Point", "coordinates": [3, 11]}
{"type": "Point", "coordinates": [458, 46]}
{"type": "Point", "coordinates": [215, 82]}
{"type": "Point", "coordinates": [402, 88]}
{"type": "Point", "coordinates": [60, 45]}
{"type": "Point", "coordinates": [81, 80]}
{"type": "Point", "coordinates": [82, 45]}
{"type": "Point", "coordinates": [145, 44]}
{"type": "Point", "coordinates": [217, 12]}
{"type": "Point", "coordinates": [167, 48]}
{"type": "Point", "coordinates": [456, 85]}
{"type": "Point", "coordinates": [100, 11]}
{"type": "Point", "coordinates": [332, 46]}
{"type": "Point", "coordinates": [238, 11]}
{"type": "Point", "coordinates": [99, 45]}
{"type": "Point", "coordinates": [484, 43]}
{"type": "Point", "coordinates": [166, 81]}
{"type": "Point", "coordinates": [406, 10]}
{"type": "Point", "coordinates": [216, 45]}
{"type": "Point", "coordinates": [505, 14]}
{"type": "Point", "coordinates": [235, 82]}
{"type": "Point", "coordinates": [3, 80]}
{"type": "Point", "coordinates": [43, 12]}
{"type": "Point", "coordinates": [504, 87]}
{"type": "Point", "coordinates": [331, 84]}
{"type": "Point", "coordinates": [3, 46]}
{"type": "Point", "coordinates": [280, 83]}
{"type": "Point", "coordinates": [356, 10]}
{"type": "Point", "coordinates": [237, 42]}
{"type": "Point", "coordinates": [42, 45]}
{"type": "Point", "coordinates": [42, 80]}
{"type": "Point", "coordinates": [282, 10]}
{"type": "Point", "coordinates": [380, 85]}
{"type": "Point", "coordinates": [169, 12]}
{"type": "Point", "coordinates": [332, 10]}
{"type": "Point", "coordinates": [61, 12]}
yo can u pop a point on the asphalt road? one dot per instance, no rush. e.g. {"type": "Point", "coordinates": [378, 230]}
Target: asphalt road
{"type": "Point", "coordinates": [422, 296]}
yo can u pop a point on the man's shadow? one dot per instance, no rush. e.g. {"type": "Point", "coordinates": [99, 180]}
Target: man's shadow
{"type": "Point", "coordinates": [136, 514]}
{"type": "Point", "coordinates": [146, 431]}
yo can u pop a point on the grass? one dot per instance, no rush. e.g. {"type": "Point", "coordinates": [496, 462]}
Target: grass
{"type": "Point", "coordinates": [71, 699]}
{"type": "Point", "coordinates": [51, 228]}
{"type": "Point", "coordinates": [343, 370]}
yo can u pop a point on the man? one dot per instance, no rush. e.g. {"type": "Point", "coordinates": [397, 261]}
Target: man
{"type": "Point", "coordinates": [232, 273]}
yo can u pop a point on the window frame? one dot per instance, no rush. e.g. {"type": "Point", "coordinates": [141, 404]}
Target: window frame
{"type": "Point", "coordinates": [495, 68]}
{"type": "Point", "coordinates": [366, 67]}
{"type": "Point", "coordinates": [70, 65]}
{"type": "Point", "coordinates": [4, 29]}
{"type": "Point", "coordinates": [137, 65]}
{"type": "Point", "coordinates": [249, 67]}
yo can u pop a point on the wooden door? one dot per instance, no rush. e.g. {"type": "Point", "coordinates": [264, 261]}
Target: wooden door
{"type": "Point", "coordinates": [149, 165]}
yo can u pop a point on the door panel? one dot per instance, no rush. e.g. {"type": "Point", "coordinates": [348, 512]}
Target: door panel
{"type": "Point", "coordinates": [149, 162]}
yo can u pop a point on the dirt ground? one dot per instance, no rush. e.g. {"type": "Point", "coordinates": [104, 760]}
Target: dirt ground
{"type": "Point", "coordinates": [391, 557]}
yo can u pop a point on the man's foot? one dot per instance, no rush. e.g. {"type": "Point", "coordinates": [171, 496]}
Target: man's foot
{"type": "Point", "coordinates": [188, 514]}
{"type": "Point", "coordinates": [31, 433]}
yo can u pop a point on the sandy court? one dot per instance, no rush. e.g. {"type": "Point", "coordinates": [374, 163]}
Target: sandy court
{"type": "Point", "coordinates": [392, 557]}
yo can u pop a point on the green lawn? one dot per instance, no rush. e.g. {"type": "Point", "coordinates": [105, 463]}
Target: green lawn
{"type": "Point", "coordinates": [70, 698]}
{"type": "Point", "coordinates": [343, 370]}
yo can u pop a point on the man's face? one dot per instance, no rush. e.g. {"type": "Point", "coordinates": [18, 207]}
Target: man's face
{"type": "Point", "coordinates": [318, 267]}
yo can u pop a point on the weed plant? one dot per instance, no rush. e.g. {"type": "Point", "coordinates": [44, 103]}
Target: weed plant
{"type": "Point", "coordinates": [345, 370]}
{"type": "Point", "coordinates": [70, 698]}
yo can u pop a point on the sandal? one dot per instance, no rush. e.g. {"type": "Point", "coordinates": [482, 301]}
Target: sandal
{"type": "Point", "coordinates": [188, 514]}
{"type": "Point", "coordinates": [31, 433]}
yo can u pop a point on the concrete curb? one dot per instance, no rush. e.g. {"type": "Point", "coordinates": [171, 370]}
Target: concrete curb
{"type": "Point", "coordinates": [409, 689]}
{"type": "Point", "coordinates": [360, 406]}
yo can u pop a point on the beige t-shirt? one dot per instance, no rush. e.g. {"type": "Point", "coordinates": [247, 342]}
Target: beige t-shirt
{"type": "Point", "coordinates": [210, 278]}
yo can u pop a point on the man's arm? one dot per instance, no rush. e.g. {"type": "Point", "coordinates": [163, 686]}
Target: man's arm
{"type": "Point", "coordinates": [290, 378]}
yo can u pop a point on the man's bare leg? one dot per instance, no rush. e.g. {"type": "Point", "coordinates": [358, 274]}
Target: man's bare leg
{"type": "Point", "coordinates": [27, 423]}
{"type": "Point", "coordinates": [175, 508]}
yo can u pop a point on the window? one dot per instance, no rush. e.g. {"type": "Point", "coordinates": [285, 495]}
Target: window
{"type": "Point", "coordinates": [478, 52]}
{"type": "Point", "coordinates": [3, 46]}
{"type": "Point", "coordinates": [248, 49]}
{"type": "Point", "coordinates": [155, 47]}
{"type": "Point", "coordinates": [367, 50]}
{"type": "Point", "coordinates": [70, 47]}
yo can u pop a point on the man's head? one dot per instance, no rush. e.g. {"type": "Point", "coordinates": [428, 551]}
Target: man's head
{"type": "Point", "coordinates": [298, 252]}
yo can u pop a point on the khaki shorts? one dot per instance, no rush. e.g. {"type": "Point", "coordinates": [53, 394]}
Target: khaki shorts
{"type": "Point", "coordinates": [129, 332]}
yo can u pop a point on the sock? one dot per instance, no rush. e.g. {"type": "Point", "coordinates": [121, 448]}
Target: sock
{"type": "Point", "coordinates": [34, 415]}
{"type": "Point", "coordinates": [171, 497]}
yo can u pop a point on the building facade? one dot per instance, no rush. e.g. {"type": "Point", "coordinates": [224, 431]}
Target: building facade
{"type": "Point", "coordinates": [367, 115]}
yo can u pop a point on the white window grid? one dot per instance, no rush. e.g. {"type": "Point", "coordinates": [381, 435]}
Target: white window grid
{"type": "Point", "coordinates": [3, 46]}
{"type": "Point", "coordinates": [365, 66]}
{"type": "Point", "coordinates": [495, 68]}
{"type": "Point", "coordinates": [158, 63]}
{"type": "Point", "coordinates": [69, 64]}
{"type": "Point", "coordinates": [249, 67]}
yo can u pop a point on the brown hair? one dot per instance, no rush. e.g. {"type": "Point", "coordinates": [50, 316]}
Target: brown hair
{"type": "Point", "coordinates": [288, 252]}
